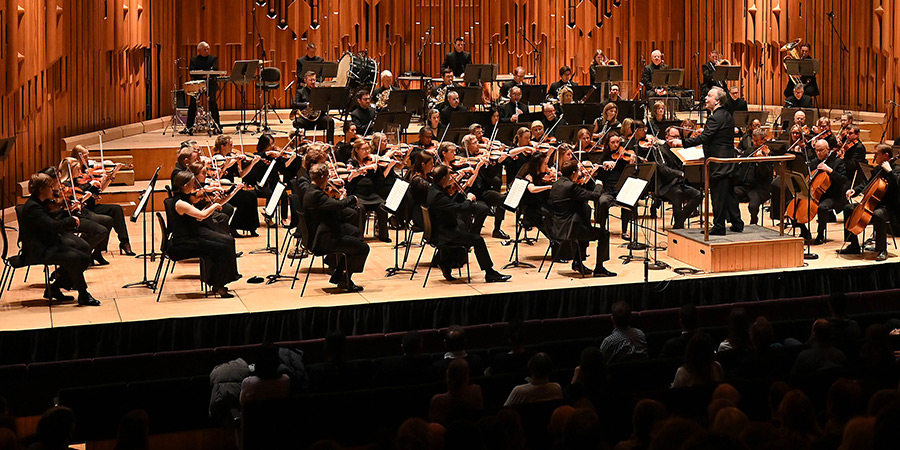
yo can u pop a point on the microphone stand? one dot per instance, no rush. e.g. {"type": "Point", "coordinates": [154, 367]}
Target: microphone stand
{"type": "Point", "coordinates": [656, 264]}
{"type": "Point", "coordinates": [534, 48]}
{"type": "Point", "coordinates": [844, 49]}
{"type": "Point", "coordinates": [889, 119]}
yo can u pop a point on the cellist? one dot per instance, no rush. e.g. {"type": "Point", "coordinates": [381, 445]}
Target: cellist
{"type": "Point", "coordinates": [890, 173]}
{"type": "Point", "coordinates": [826, 164]}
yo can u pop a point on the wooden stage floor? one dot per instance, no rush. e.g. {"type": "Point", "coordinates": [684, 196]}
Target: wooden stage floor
{"type": "Point", "coordinates": [23, 308]}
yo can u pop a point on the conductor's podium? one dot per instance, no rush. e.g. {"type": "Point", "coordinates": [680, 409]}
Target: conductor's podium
{"type": "Point", "coordinates": [756, 248]}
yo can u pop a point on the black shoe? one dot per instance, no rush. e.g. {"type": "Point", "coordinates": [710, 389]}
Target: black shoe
{"type": "Point", "coordinates": [882, 255]}
{"type": "Point", "coordinates": [601, 271]}
{"type": "Point", "coordinates": [185, 131]}
{"type": "Point", "coordinates": [238, 254]}
{"type": "Point", "coordinates": [297, 254]}
{"type": "Point", "coordinates": [819, 240]}
{"type": "Point", "coordinates": [579, 268]}
{"type": "Point", "coordinates": [125, 249]}
{"type": "Point", "coordinates": [253, 234]}
{"type": "Point", "coordinates": [500, 234]}
{"type": "Point", "coordinates": [235, 234]}
{"type": "Point", "coordinates": [222, 292]}
{"type": "Point", "coordinates": [737, 228]}
{"type": "Point", "coordinates": [717, 232]}
{"type": "Point", "coordinates": [754, 221]}
{"type": "Point", "coordinates": [852, 249]}
{"type": "Point", "coordinates": [86, 299]}
{"type": "Point", "coordinates": [448, 273]}
{"type": "Point", "coordinates": [626, 236]}
{"type": "Point", "coordinates": [492, 276]}
{"type": "Point", "coordinates": [97, 257]}
{"type": "Point", "coordinates": [352, 287]}
{"type": "Point", "coordinates": [384, 238]}
{"type": "Point", "coordinates": [53, 293]}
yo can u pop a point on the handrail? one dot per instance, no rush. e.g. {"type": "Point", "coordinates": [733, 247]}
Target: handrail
{"type": "Point", "coordinates": [707, 161]}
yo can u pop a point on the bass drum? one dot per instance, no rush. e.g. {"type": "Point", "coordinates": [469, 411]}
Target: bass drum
{"type": "Point", "coordinates": [356, 70]}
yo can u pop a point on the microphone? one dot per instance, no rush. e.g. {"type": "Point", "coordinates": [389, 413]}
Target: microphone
{"type": "Point", "coordinates": [830, 14]}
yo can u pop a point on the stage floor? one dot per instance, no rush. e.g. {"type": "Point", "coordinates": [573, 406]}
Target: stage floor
{"type": "Point", "coordinates": [22, 308]}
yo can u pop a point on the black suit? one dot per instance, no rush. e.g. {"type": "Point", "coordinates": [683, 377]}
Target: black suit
{"type": "Point", "coordinates": [457, 62]}
{"type": "Point", "coordinates": [647, 78]}
{"type": "Point", "coordinates": [811, 86]}
{"type": "Point", "coordinates": [364, 119]}
{"type": "Point", "coordinates": [505, 87]}
{"type": "Point", "coordinates": [793, 102]}
{"type": "Point", "coordinates": [886, 210]}
{"type": "Point", "coordinates": [736, 105]}
{"type": "Point", "coordinates": [567, 201]}
{"type": "Point", "coordinates": [445, 212]}
{"type": "Point", "coordinates": [718, 141]}
{"type": "Point", "coordinates": [204, 63]}
{"type": "Point", "coordinates": [40, 233]}
{"type": "Point", "coordinates": [447, 109]}
{"type": "Point", "coordinates": [510, 109]}
{"type": "Point", "coordinates": [301, 101]}
{"type": "Point", "coordinates": [329, 231]}
{"type": "Point", "coordinates": [685, 199]}
{"type": "Point", "coordinates": [709, 69]}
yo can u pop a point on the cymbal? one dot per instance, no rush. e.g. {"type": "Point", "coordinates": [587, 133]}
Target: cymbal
{"type": "Point", "coordinates": [208, 72]}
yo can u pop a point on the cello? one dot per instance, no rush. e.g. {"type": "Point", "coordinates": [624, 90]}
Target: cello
{"type": "Point", "coordinates": [872, 197]}
{"type": "Point", "coordinates": [800, 208]}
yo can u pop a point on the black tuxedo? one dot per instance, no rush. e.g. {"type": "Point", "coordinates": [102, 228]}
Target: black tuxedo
{"type": "Point", "coordinates": [709, 69]}
{"type": "Point", "coordinates": [886, 210]}
{"type": "Point", "coordinates": [445, 212]}
{"type": "Point", "coordinates": [204, 63]}
{"type": "Point", "coordinates": [457, 62]}
{"type": "Point", "coordinates": [364, 119]}
{"type": "Point", "coordinates": [301, 71]}
{"type": "Point", "coordinates": [330, 231]}
{"type": "Point", "coordinates": [567, 201]}
{"type": "Point", "coordinates": [736, 105]}
{"type": "Point", "coordinates": [793, 102]}
{"type": "Point", "coordinates": [446, 110]}
{"type": "Point", "coordinates": [39, 234]}
{"type": "Point", "coordinates": [718, 141]}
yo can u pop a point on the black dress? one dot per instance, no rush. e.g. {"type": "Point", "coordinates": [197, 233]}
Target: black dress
{"type": "Point", "coordinates": [246, 212]}
{"type": "Point", "coordinates": [192, 240]}
{"type": "Point", "coordinates": [367, 188]}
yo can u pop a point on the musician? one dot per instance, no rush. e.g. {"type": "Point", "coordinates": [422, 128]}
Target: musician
{"type": "Point", "coordinates": [366, 182]}
{"type": "Point", "coordinates": [535, 204]}
{"type": "Point", "coordinates": [799, 123]}
{"type": "Point", "coordinates": [514, 163]}
{"type": "Point", "coordinates": [551, 121]}
{"type": "Point", "coordinates": [425, 143]}
{"type": "Point", "coordinates": [488, 180]}
{"type": "Point", "coordinates": [344, 149]}
{"type": "Point", "coordinates": [886, 209]}
{"type": "Point", "coordinates": [364, 116]}
{"type": "Point", "coordinates": [567, 198]}
{"type": "Point", "coordinates": [709, 69]}
{"type": "Point", "coordinates": [97, 237]}
{"type": "Point", "coordinates": [673, 187]}
{"type": "Point", "coordinates": [382, 93]}
{"type": "Point", "coordinates": [269, 154]}
{"type": "Point", "coordinates": [311, 121]}
{"type": "Point", "coordinates": [566, 96]}
{"type": "Point", "coordinates": [746, 145]}
{"type": "Point", "coordinates": [115, 212]}
{"type": "Point", "coordinates": [419, 178]}
{"type": "Point", "coordinates": [474, 219]}
{"type": "Point", "coordinates": [510, 111]}
{"type": "Point", "coordinates": [457, 60]}
{"type": "Point", "coordinates": [656, 63]}
{"type": "Point", "coordinates": [310, 56]}
{"type": "Point", "coordinates": [188, 153]}
{"type": "Point", "coordinates": [718, 141]}
{"type": "Point", "coordinates": [846, 121]}
{"type": "Point", "coordinates": [537, 132]}
{"type": "Point", "coordinates": [753, 180]}
{"type": "Point", "coordinates": [39, 234]}
{"type": "Point", "coordinates": [433, 120]}
{"type": "Point", "coordinates": [823, 125]}
{"type": "Point", "coordinates": [735, 101]}
{"type": "Point", "coordinates": [444, 210]}
{"type": "Point", "coordinates": [453, 105]}
{"type": "Point", "coordinates": [209, 192]}
{"type": "Point", "coordinates": [608, 121]}
{"type": "Point", "coordinates": [854, 153]}
{"type": "Point", "coordinates": [833, 199]}
{"type": "Point", "coordinates": [246, 213]}
{"type": "Point", "coordinates": [203, 61]}
{"type": "Point", "coordinates": [810, 85]}
{"type": "Point", "coordinates": [613, 166]}
{"type": "Point", "coordinates": [94, 235]}
{"type": "Point", "coordinates": [565, 80]}
{"type": "Point", "coordinates": [599, 60]}
{"type": "Point", "coordinates": [391, 158]}
{"type": "Point", "coordinates": [518, 75]}
{"type": "Point", "coordinates": [613, 95]}
{"type": "Point", "coordinates": [798, 99]}
{"type": "Point", "coordinates": [439, 92]}
{"type": "Point", "coordinates": [658, 118]}
{"type": "Point", "coordinates": [331, 232]}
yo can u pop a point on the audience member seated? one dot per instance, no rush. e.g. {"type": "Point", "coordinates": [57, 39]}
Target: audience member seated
{"type": "Point", "coordinates": [462, 399]}
{"type": "Point", "coordinates": [738, 339]}
{"type": "Point", "coordinates": [54, 429]}
{"type": "Point", "coordinates": [859, 434]}
{"type": "Point", "coordinates": [699, 367]}
{"type": "Point", "coordinates": [687, 318]}
{"type": "Point", "coordinates": [765, 360]}
{"type": "Point", "coordinates": [335, 373]}
{"type": "Point", "coordinates": [730, 421]}
{"type": "Point", "coordinates": [647, 415]}
{"type": "Point", "coordinates": [877, 365]}
{"type": "Point", "coordinates": [455, 343]}
{"type": "Point", "coordinates": [589, 379]}
{"type": "Point", "coordinates": [624, 343]}
{"type": "Point", "coordinates": [516, 359]}
{"type": "Point", "coordinates": [821, 355]}
{"type": "Point", "coordinates": [265, 382]}
{"type": "Point", "coordinates": [539, 387]}
{"type": "Point", "coordinates": [798, 420]}
{"type": "Point", "coordinates": [846, 334]}
{"type": "Point", "coordinates": [413, 367]}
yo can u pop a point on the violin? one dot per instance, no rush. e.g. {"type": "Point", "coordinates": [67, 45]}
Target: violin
{"type": "Point", "coordinates": [626, 155]}
{"type": "Point", "coordinates": [847, 146]}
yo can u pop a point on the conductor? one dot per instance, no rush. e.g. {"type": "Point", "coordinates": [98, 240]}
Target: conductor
{"type": "Point", "coordinates": [718, 142]}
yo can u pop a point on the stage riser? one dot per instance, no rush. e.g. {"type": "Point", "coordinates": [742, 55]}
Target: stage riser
{"type": "Point", "coordinates": [736, 256]}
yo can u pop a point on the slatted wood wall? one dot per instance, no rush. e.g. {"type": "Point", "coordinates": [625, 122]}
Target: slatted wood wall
{"type": "Point", "coordinates": [75, 66]}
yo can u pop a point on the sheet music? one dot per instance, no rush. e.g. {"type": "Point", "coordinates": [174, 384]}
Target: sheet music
{"type": "Point", "coordinates": [514, 196]}
{"type": "Point", "coordinates": [692, 153]}
{"type": "Point", "coordinates": [273, 200]}
{"type": "Point", "coordinates": [631, 191]}
{"type": "Point", "coordinates": [268, 172]}
{"type": "Point", "coordinates": [395, 197]}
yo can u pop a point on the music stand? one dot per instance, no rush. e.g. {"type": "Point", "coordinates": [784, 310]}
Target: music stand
{"type": "Point", "coordinates": [533, 94]}
{"type": "Point", "coordinates": [6, 147]}
{"type": "Point", "coordinates": [530, 117]}
{"type": "Point", "coordinates": [392, 205]}
{"type": "Point", "coordinates": [567, 133]}
{"type": "Point", "coordinates": [727, 73]}
{"type": "Point", "coordinates": [146, 197]}
{"type": "Point", "coordinates": [468, 96]}
{"type": "Point", "coordinates": [243, 73]}
{"type": "Point", "coordinates": [630, 109]}
{"type": "Point", "coordinates": [606, 74]}
{"type": "Point", "coordinates": [480, 73]}
{"type": "Point", "coordinates": [743, 119]}
{"type": "Point", "coordinates": [383, 119]}
{"type": "Point", "coordinates": [454, 135]}
{"type": "Point", "coordinates": [506, 131]}
{"type": "Point", "coordinates": [511, 203]}
{"type": "Point", "coordinates": [803, 67]}
{"type": "Point", "coordinates": [632, 185]}
{"type": "Point", "coordinates": [465, 118]}
{"type": "Point", "coordinates": [272, 211]}
{"type": "Point", "coordinates": [406, 100]}
{"type": "Point", "coordinates": [323, 69]}
{"type": "Point", "coordinates": [327, 98]}
{"type": "Point", "coordinates": [579, 92]}
{"type": "Point", "coordinates": [574, 112]}
{"type": "Point", "coordinates": [667, 78]}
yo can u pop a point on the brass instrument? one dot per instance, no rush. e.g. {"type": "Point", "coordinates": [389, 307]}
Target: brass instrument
{"type": "Point", "coordinates": [440, 97]}
{"type": "Point", "coordinates": [383, 97]}
{"type": "Point", "coordinates": [610, 62]}
{"type": "Point", "coordinates": [723, 62]}
{"type": "Point", "coordinates": [307, 113]}
{"type": "Point", "coordinates": [793, 49]}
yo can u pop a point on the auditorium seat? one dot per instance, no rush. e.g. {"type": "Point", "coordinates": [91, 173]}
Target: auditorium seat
{"type": "Point", "coordinates": [189, 362]}
{"type": "Point", "coordinates": [113, 369]}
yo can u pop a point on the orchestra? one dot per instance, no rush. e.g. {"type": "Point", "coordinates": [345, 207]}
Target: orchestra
{"type": "Point", "coordinates": [572, 178]}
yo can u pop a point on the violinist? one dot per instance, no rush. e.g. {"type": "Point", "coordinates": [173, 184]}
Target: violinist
{"type": "Point", "coordinates": [453, 105]}
{"type": "Point", "coordinates": [115, 212]}
{"type": "Point", "coordinates": [745, 146]}
{"type": "Point", "coordinates": [366, 182]}
{"type": "Point", "coordinates": [190, 238]}
{"type": "Point", "coordinates": [753, 180]}
{"type": "Point", "coordinates": [511, 111]}
{"type": "Point", "coordinates": [494, 121]}
{"type": "Point", "coordinates": [187, 154]}
{"type": "Point", "coordinates": [488, 180]}
{"type": "Point", "coordinates": [364, 115]}
{"type": "Point", "coordinates": [519, 155]}
{"type": "Point", "coordinates": [445, 210]}
{"type": "Point", "coordinates": [246, 214]}
{"type": "Point", "coordinates": [717, 139]}
{"type": "Point", "coordinates": [673, 187]}
{"type": "Point", "coordinates": [658, 118]}
{"type": "Point", "coordinates": [73, 191]}
{"type": "Point", "coordinates": [425, 143]}
{"type": "Point", "coordinates": [331, 232]}
{"type": "Point", "coordinates": [209, 191]}
{"type": "Point", "coordinates": [853, 152]}
{"type": "Point", "coordinates": [433, 121]}
{"type": "Point", "coordinates": [608, 121]}
{"type": "Point", "coordinates": [39, 234]}
{"type": "Point", "coordinates": [518, 79]}
{"type": "Point", "coordinates": [567, 199]}
{"type": "Point", "coordinates": [798, 141]}
{"type": "Point", "coordinates": [94, 236]}
{"type": "Point", "coordinates": [464, 176]}
{"type": "Point", "coordinates": [315, 154]}
{"type": "Point", "coordinates": [799, 121]}
{"type": "Point", "coordinates": [565, 80]}
{"type": "Point", "coordinates": [344, 149]}
{"type": "Point", "coordinates": [392, 157]}
{"type": "Point", "coordinates": [823, 125]}
{"type": "Point", "coordinates": [537, 132]}
{"type": "Point", "coordinates": [888, 207]}
{"type": "Point", "coordinates": [419, 178]}
{"type": "Point", "coordinates": [614, 162]}
{"type": "Point", "coordinates": [534, 202]}
{"type": "Point", "coordinates": [846, 121]}
{"type": "Point", "coordinates": [269, 154]}
{"type": "Point", "coordinates": [309, 119]}
{"type": "Point", "coordinates": [550, 120]}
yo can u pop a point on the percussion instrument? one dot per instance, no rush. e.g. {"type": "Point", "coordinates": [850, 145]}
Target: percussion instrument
{"type": "Point", "coordinates": [204, 73]}
{"type": "Point", "coordinates": [195, 88]}
{"type": "Point", "coordinates": [356, 70]}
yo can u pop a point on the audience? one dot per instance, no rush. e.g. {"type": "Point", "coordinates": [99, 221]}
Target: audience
{"type": "Point", "coordinates": [516, 359]}
{"type": "Point", "coordinates": [699, 367]}
{"type": "Point", "coordinates": [133, 431]}
{"type": "Point", "coordinates": [461, 400]}
{"type": "Point", "coordinates": [738, 332]}
{"type": "Point", "coordinates": [265, 382]}
{"type": "Point", "coordinates": [336, 372]}
{"type": "Point", "coordinates": [411, 368]}
{"type": "Point", "coordinates": [687, 318]}
{"type": "Point", "coordinates": [539, 387]}
{"type": "Point", "coordinates": [647, 414]}
{"type": "Point", "coordinates": [455, 343]}
{"type": "Point", "coordinates": [764, 360]}
{"type": "Point", "coordinates": [624, 343]}
{"type": "Point", "coordinates": [821, 355]}
{"type": "Point", "coordinates": [589, 379]}
{"type": "Point", "coordinates": [846, 334]}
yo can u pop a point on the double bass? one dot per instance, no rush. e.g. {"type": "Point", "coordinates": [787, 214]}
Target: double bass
{"type": "Point", "coordinates": [872, 197]}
